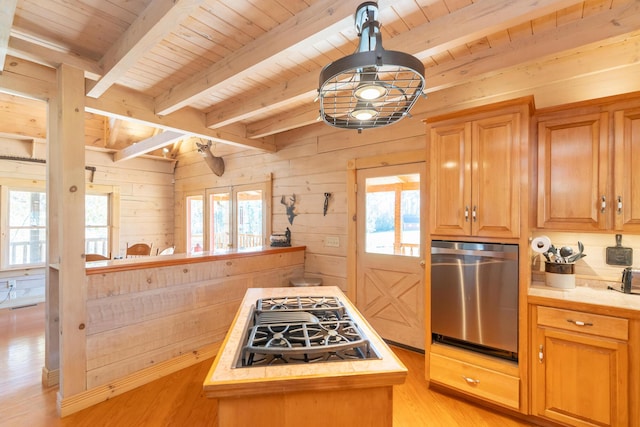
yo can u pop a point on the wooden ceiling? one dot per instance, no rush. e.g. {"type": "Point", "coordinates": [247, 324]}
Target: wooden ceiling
{"type": "Point", "coordinates": [248, 69]}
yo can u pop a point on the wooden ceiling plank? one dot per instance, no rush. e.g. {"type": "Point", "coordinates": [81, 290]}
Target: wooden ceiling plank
{"type": "Point", "coordinates": [471, 23]}
{"type": "Point", "coordinates": [147, 145]}
{"type": "Point", "coordinates": [436, 35]}
{"type": "Point", "coordinates": [39, 51]}
{"type": "Point", "coordinates": [153, 25]}
{"type": "Point", "coordinates": [132, 106]}
{"type": "Point", "coordinates": [612, 23]}
{"type": "Point", "coordinates": [7, 12]}
{"type": "Point", "coordinates": [306, 28]}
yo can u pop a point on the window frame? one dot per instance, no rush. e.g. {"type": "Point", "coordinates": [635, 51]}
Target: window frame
{"type": "Point", "coordinates": [17, 184]}
{"type": "Point", "coordinates": [233, 190]}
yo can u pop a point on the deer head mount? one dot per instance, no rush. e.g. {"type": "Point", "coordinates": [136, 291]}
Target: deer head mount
{"type": "Point", "coordinates": [216, 164]}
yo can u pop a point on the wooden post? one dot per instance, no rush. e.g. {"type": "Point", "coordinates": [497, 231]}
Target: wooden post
{"type": "Point", "coordinates": [51, 369]}
{"type": "Point", "coordinates": [66, 195]}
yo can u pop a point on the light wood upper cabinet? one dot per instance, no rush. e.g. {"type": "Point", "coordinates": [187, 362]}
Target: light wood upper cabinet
{"type": "Point", "coordinates": [475, 176]}
{"type": "Point", "coordinates": [627, 170]}
{"type": "Point", "coordinates": [580, 367]}
{"type": "Point", "coordinates": [573, 172]}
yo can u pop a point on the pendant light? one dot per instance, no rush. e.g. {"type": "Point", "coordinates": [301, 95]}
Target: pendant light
{"type": "Point", "coordinates": [372, 87]}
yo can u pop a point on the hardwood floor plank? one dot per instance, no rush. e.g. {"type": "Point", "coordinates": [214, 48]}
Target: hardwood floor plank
{"type": "Point", "coordinates": [177, 399]}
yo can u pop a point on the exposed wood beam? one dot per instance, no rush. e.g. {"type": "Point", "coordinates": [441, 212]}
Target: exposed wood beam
{"type": "Point", "coordinates": [114, 129]}
{"type": "Point", "coordinates": [618, 21]}
{"type": "Point", "coordinates": [276, 97]}
{"type": "Point", "coordinates": [38, 82]}
{"type": "Point", "coordinates": [530, 78]}
{"type": "Point", "coordinates": [50, 53]}
{"type": "Point", "coordinates": [471, 23]}
{"type": "Point", "coordinates": [132, 106]}
{"type": "Point", "coordinates": [308, 27]}
{"type": "Point", "coordinates": [142, 147]}
{"type": "Point", "coordinates": [29, 80]}
{"type": "Point", "coordinates": [423, 41]}
{"type": "Point", "coordinates": [7, 10]}
{"type": "Point", "coordinates": [158, 19]}
{"type": "Point", "coordinates": [281, 123]}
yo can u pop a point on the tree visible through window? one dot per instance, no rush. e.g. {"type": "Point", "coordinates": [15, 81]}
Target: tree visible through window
{"type": "Point", "coordinates": [236, 216]}
{"type": "Point", "coordinates": [26, 229]}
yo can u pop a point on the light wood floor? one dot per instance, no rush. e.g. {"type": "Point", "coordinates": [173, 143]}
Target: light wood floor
{"type": "Point", "coordinates": [177, 400]}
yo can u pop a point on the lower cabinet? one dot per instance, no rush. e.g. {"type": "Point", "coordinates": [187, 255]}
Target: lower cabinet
{"type": "Point", "coordinates": [484, 377]}
{"type": "Point", "coordinates": [579, 367]}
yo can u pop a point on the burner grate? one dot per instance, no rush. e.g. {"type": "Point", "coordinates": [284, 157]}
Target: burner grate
{"type": "Point", "coordinates": [303, 329]}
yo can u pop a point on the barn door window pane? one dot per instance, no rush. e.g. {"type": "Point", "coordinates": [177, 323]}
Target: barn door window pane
{"type": "Point", "coordinates": [393, 215]}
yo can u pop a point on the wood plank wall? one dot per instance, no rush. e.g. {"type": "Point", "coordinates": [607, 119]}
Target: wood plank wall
{"type": "Point", "coordinates": [146, 203]}
{"type": "Point", "coordinates": [137, 319]}
{"type": "Point", "coordinates": [308, 163]}
{"type": "Point", "coordinates": [313, 160]}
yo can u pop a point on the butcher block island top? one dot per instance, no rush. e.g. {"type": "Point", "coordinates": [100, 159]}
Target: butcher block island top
{"type": "Point", "coordinates": [337, 392]}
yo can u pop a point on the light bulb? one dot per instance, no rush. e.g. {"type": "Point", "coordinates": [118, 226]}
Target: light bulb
{"type": "Point", "coordinates": [370, 91]}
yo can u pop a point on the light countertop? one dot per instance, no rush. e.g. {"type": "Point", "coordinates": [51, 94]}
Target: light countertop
{"type": "Point", "coordinates": [587, 295]}
{"type": "Point", "coordinates": [99, 267]}
{"type": "Point", "coordinates": [226, 380]}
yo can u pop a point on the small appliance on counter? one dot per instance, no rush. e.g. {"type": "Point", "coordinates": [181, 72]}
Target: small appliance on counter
{"type": "Point", "coordinates": [281, 240]}
{"type": "Point", "coordinates": [630, 281]}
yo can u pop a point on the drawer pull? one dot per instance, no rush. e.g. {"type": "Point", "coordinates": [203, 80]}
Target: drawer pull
{"type": "Point", "coordinates": [471, 381]}
{"type": "Point", "coordinates": [579, 322]}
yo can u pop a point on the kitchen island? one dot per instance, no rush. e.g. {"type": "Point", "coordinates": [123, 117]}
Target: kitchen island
{"type": "Point", "coordinates": [338, 393]}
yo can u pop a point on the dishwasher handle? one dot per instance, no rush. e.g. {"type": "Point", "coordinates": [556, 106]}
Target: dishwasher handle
{"type": "Point", "coordinates": [472, 252]}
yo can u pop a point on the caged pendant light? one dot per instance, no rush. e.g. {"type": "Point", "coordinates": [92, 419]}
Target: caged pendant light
{"type": "Point", "coordinates": [372, 87]}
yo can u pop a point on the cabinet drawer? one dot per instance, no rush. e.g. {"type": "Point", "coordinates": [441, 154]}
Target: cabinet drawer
{"type": "Point", "coordinates": [475, 380]}
{"type": "Point", "coordinates": [579, 321]}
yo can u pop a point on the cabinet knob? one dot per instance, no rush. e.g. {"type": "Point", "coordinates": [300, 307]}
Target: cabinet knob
{"type": "Point", "coordinates": [603, 204]}
{"type": "Point", "coordinates": [474, 214]}
{"type": "Point", "coordinates": [466, 214]}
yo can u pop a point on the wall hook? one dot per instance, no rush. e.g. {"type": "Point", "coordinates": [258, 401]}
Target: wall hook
{"type": "Point", "coordinates": [327, 196]}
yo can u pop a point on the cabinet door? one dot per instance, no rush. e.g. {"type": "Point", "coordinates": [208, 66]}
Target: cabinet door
{"type": "Point", "coordinates": [572, 173]}
{"type": "Point", "coordinates": [450, 179]}
{"type": "Point", "coordinates": [496, 176]}
{"type": "Point", "coordinates": [627, 170]}
{"type": "Point", "coordinates": [580, 380]}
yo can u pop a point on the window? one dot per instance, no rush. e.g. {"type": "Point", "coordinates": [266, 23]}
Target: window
{"type": "Point", "coordinates": [237, 217]}
{"type": "Point", "coordinates": [24, 205]}
{"type": "Point", "coordinates": [27, 236]}
{"type": "Point", "coordinates": [393, 215]}
{"type": "Point", "coordinates": [96, 223]}
{"type": "Point", "coordinates": [194, 223]}
{"type": "Point", "coordinates": [219, 220]}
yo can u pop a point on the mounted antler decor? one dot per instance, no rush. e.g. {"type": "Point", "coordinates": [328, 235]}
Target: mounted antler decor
{"type": "Point", "coordinates": [291, 207]}
{"type": "Point", "coordinates": [216, 164]}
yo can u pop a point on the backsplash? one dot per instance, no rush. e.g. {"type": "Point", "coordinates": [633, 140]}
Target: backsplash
{"type": "Point", "coordinates": [592, 270]}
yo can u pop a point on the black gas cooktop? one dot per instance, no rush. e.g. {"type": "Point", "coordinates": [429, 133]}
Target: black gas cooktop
{"type": "Point", "coordinates": [302, 329]}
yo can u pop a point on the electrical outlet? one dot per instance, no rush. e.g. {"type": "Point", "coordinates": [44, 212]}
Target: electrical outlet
{"type": "Point", "coordinates": [12, 284]}
{"type": "Point", "coordinates": [12, 295]}
{"type": "Point", "coordinates": [332, 242]}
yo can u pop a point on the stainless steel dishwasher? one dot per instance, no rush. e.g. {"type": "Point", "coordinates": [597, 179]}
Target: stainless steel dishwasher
{"type": "Point", "coordinates": [474, 296]}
